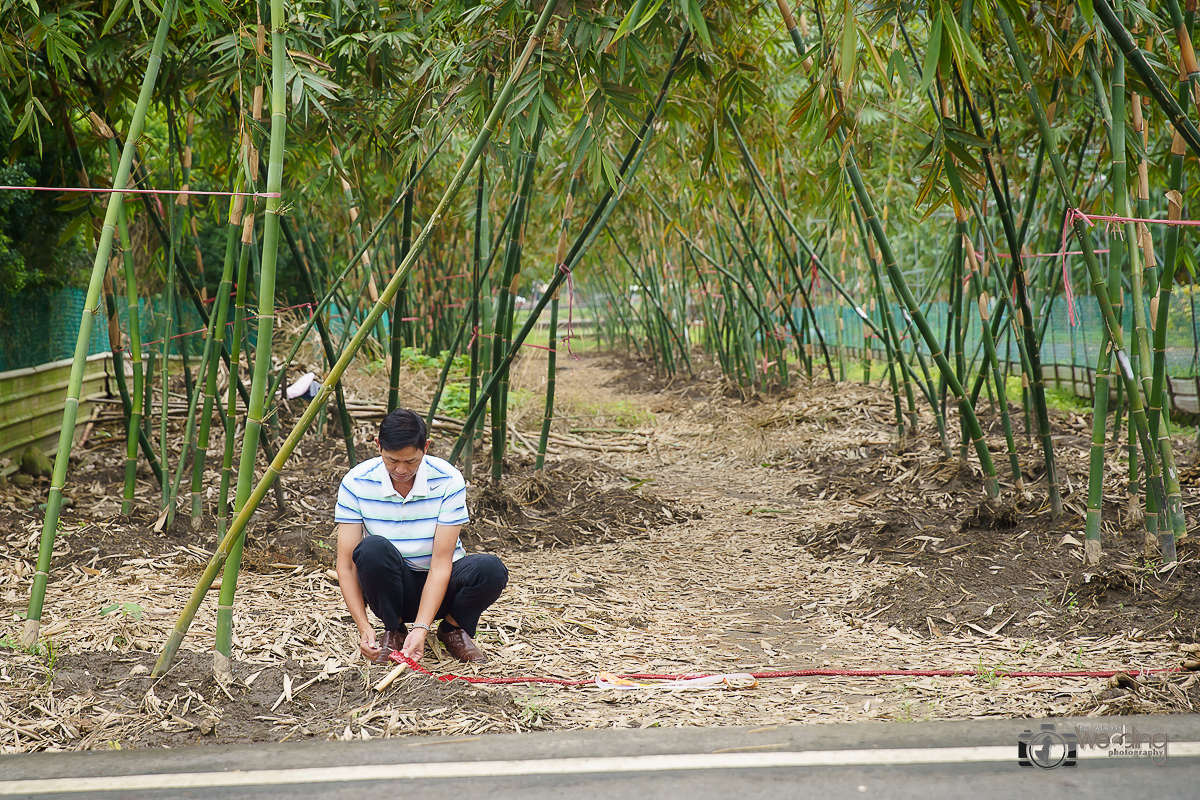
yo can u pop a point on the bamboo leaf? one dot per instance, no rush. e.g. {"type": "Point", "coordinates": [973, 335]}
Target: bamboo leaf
{"type": "Point", "coordinates": [957, 134]}
{"type": "Point", "coordinates": [883, 71]}
{"type": "Point", "coordinates": [696, 20]}
{"type": "Point", "coordinates": [628, 24]}
{"type": "Point", "coordinates": [932, 53]}
{"type": "Point", "coordinates": [1077, 48]}
{"type": "Point", "coordinates": [648, 15]}
{"type": "Point", "coordinates": [931, 181]}
{"type": "Point", "coordinates": [898, 64]}
{"type": "Point", "coordinates": [1189, 263]}
{"type": "Point", "coordinates": [936, 204]}
{"type": "Point", "coordinates": [117, 11]}
{"type": "Point", "coordinates": [849, 46]}
{"type": "Point", "coordinates": [71, 229]}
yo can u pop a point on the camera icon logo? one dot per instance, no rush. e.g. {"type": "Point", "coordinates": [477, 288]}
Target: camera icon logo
{"type": "Point", "coordinates": [1047, 749]}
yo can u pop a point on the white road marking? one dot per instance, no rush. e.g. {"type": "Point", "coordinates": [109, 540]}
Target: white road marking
{"type": "Point", "coordinates": [543, 766]}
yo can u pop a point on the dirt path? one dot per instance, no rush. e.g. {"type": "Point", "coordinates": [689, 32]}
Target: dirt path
{"type": "Point", "coordinates": [706, 534]}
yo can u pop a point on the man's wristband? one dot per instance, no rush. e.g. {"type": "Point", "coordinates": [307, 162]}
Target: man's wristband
{"type": "Point", "coordinates": [422, 625]}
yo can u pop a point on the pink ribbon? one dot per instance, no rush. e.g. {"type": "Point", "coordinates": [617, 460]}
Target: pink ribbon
{"type": "Point", "coordinates": [90, 190]}
{"type": "Point", "coordinates": [570, 309]}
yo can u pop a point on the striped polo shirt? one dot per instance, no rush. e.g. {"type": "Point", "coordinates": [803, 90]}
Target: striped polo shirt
{"type": "Point", "coordinates": [438, 497]}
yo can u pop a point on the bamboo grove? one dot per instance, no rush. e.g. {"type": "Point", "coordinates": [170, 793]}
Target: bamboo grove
{"type": "Point", "coordinates": [905, 191]}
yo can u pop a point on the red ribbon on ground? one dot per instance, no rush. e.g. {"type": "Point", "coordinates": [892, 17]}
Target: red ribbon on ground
{"type": "Point", "coordinates": [400, 658]}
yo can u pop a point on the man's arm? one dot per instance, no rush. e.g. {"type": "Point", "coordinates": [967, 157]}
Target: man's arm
{"type": "Point", "coordinates": [445, 539]}
{"type": "Point", "coordinates": [349, 534]}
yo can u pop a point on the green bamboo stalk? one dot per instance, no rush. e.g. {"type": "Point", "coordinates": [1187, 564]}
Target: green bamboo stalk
{"type": "Point", "coordinates": [1093, 546]}
{"type": "Point", "coordinates": [1161, 305]}
{"type": "Point", "coordinates": [476, 289]}
{"type": "Point", "coordinates": [551, 368]}
{"type": "Point", "coordinates": [224, 289]}
{"type": "Point", "coordinates": [1137, 236]}
{"type": "Point", "coordinates": [651, 293]}
{"type": "Point", "coordinates": [1003, 300]}
{"type": "Point", "coordinates": [506, 311]}
{"type": "Point", "coordinates": [353, 209]}
{"type": "Point", "coordinates": [1158, 90]}
{"type": "Point", "coordinates": [552, 335]}
{"type": "Point", "coordinates": [66, 437]}
{"type": "Point", "coordinates": [266, 328]}
{"type": "Point", "coordinates": [178, 212]}
{"type": "Point", "coordinates": [198, 304]}
{"type": "Point", "coordinates": [175, 223]}
{"type": "Point", "coordinates": [400, 310]}
{"type": "Point", "coordinates": [900, 286]}
{"type": "Point", "coordinates": [997, 376]}
{"type": "Point", "coordinates": [109, 287]}
{"type": "Point", "coordinates": [768, 329]}
{"type": "Point", "coordinates": [891, 333]}
{"type": "Point", "coordinates": [401, 275]}
{"type": "Point", "coordinates": [894, 356]}
{"type": "Point", "coordinates": [762, 189]}
{"type": "Point", "coordinates": [134, 433]}
{"type": "Point", "coordinates": [239, 323]}
{"type": "Point", "coordinates": [1137, 411]}
{"type": "Point", "coordinates": [1031, 359]}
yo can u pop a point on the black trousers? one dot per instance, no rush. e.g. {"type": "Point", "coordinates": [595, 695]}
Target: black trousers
{"type": "Point", "coordinates": [393, 589]}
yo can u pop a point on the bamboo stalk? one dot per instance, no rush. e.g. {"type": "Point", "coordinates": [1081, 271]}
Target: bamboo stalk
{"type": "Point", "coordinates": [135, 436]}
{"type": "Point", "coordinates": [1160, 305]}
{"type": "Point", "coordinates": [400, 310]}
{"type": "Point", "coordinates": [218, 342]}
{"type": "Point", "coordinates": [1034, 382]}
{"type": "Point", "coordinates": [175, 225]}
{"type": "Point", "coordinates": [506, 309]}
{"type": "Point", "coordinates": [266, 328]}
{"type": "Point", "coordinates": [41, 574]}
{"type": "Point", "coordinates": [552, 333]}
{"type": "Point", "coordinates": [1136, 408]}
{"type": "Point", "coordinates": [1158, 90]}
{"type": "Point", "coordinates": [474, 315]}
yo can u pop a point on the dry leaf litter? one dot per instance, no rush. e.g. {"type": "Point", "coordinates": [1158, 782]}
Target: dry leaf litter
{"type": "Point", "coordinates": [679, 528]}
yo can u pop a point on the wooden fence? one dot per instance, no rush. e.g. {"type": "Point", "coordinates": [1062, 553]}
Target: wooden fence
{"type": "Point", "coordinates": [1080, 381]}
{"type": "Point", "coordinates": [31, 404]}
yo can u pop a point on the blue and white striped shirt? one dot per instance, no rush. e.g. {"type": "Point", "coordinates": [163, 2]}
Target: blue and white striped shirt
{"type": "Point", "coordinates": [438, 497]}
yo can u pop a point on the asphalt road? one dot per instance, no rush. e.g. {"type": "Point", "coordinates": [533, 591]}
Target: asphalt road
{"type": "Point", "coordinates": [930, 761]}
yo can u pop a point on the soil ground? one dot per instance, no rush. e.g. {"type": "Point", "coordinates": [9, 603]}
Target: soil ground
{"type": "Point", "coordinates": [679, 527]}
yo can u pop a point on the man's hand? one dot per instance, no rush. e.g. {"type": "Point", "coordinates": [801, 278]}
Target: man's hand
{"type": "Point", "coordinates": [414, 644]}
{"type": "Point", "coordinates": [367, 645]}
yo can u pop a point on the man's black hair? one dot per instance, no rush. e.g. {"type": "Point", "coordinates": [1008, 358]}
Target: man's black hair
{"type": "Point", "coordinates": [400, 429]}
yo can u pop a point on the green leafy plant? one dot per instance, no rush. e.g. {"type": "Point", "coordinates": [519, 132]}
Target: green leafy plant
{"type": "Point", "coordinates": [990, 674]}
{"type": "Point", "coordinates": [534, 709]}
{"type": "Point", "coordinates": [131, 612]}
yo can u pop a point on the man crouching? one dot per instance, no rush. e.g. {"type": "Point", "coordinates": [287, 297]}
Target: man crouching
{"type": "Point", "coordinates": [398, 518]}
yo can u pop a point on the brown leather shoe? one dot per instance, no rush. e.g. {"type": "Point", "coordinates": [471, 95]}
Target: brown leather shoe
{"type": "Point", "coordinates": [391, 640]}
{"type": "Point", "coordinates": [460, 645]}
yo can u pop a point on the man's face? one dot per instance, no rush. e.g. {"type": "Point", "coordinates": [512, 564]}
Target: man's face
{"type": "Point", "coordinates": [402, 464]}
